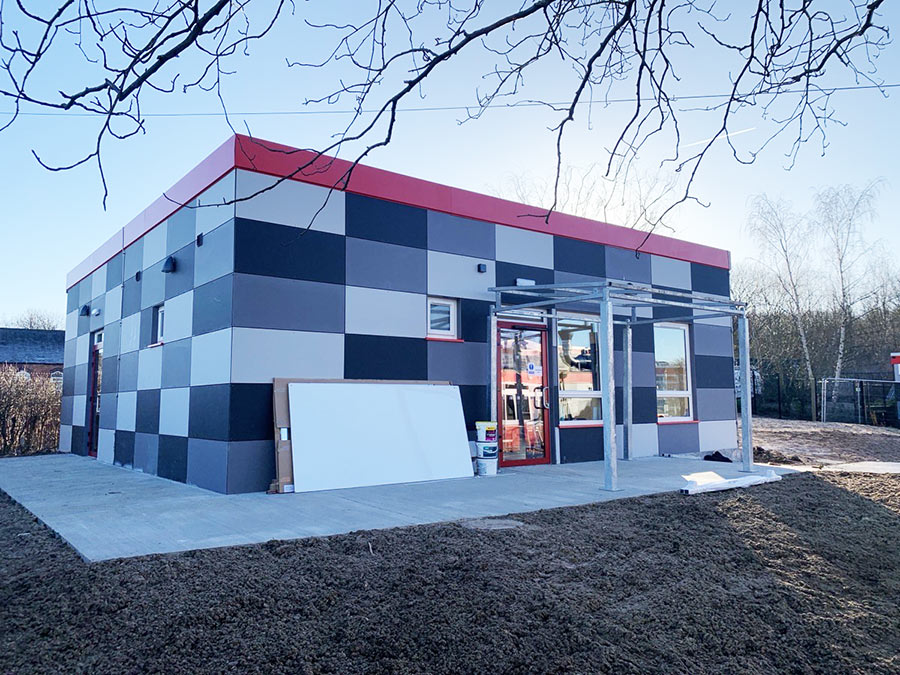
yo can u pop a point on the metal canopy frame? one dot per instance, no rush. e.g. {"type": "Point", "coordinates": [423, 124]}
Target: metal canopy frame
{"type": "Point", "coordinates": [542, 301]}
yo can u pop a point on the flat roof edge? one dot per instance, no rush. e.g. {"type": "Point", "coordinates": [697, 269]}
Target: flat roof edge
{"type": "Point", "coordinates": [253, 154]}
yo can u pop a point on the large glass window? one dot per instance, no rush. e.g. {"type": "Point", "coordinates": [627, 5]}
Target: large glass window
{"type": "Point", "coordinates": [579, 372]}
{"type": "Point", "coordinates": [673, 372]}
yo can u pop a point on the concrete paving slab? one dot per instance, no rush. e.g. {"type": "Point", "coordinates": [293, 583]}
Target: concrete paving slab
{"type": "Point", "coordinates": [107, 512]}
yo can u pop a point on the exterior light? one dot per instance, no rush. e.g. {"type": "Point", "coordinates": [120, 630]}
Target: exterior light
{"type": "Point", "coordinates": [169, 265]}
{"type": "Point", "coordinates": [85, 311]}
{"type": "Point", "coordinates": [96, 312]}
{"type": "Point", "coordinates": [482, 268]}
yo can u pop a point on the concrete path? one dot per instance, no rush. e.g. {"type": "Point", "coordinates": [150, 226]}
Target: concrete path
{"type": "Point", "coordinates": [865, 467]}
{"type": "Point", "coordinates": [107, 512]}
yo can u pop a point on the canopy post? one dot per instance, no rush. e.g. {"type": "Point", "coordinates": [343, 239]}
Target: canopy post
{"type": "Point", "coordinates": [627, 408]}
{"type": "Point", "coordinates": [608, 390]}
{"type": "Point", "coordinates": [746, 393]}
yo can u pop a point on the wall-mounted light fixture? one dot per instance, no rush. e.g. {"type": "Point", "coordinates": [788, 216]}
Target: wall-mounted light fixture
{"type": "Point", "coordinates": [482, 268]}
{"type": "Point", "coordinates": [169, 265]}
{"type": "Point", "coordinates": [137, 275]}
{"type": "Point", "coordinates": [96, 312]}
{"type": "Point", "coordinates": [85, 311]}
{"type": "Point", "coordinates": [200, 239]}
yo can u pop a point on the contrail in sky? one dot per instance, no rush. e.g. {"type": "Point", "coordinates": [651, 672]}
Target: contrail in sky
{"type": "Point", "coordinates": [707, 140]}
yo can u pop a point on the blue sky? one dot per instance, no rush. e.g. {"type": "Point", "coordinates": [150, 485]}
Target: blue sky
{"type": "Point", "coordinates": [51, 221]}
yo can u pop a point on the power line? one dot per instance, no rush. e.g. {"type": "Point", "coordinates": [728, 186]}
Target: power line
{"type": "Point", "coordinates": [448, 108]}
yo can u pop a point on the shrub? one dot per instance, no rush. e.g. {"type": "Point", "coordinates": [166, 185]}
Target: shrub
{"type": "Point", "coordinates": [29, 413]}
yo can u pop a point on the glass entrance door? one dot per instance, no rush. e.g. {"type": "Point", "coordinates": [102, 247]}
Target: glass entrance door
{"type": "Point", "coordinates": [522, 388]}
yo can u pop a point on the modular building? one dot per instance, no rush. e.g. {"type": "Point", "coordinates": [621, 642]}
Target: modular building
{"type": "Point", "coordinates": [250, 269]}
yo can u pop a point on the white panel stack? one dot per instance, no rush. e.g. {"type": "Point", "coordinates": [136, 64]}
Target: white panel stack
{"type": "Point", "coordinates": [352, 434]}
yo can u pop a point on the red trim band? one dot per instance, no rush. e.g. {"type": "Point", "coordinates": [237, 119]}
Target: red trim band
{"type": "Point", "coordinates": [243, 152]}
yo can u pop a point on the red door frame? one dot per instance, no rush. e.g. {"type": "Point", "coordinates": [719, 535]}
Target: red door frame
{"type": "Point", "coordinates": [546, 459]}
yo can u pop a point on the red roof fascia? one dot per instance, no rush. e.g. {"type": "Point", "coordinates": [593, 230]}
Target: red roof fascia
{"type": "Point", "coordinates": [277, 160]}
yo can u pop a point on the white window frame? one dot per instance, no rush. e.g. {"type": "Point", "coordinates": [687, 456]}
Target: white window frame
{"type": "Point", "coordinates": [591, 321]}
{"type": "Point", "coordinates": [158, 323]}
{"type": "Point", "coordinates": [688, 394]}
{"type": "Point", "coordinates": [452, 303]}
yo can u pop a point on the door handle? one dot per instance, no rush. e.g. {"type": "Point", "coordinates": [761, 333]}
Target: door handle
{"type": "Point", "coordinates": [545, 397]}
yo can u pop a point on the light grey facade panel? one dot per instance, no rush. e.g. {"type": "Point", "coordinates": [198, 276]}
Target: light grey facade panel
{"type": "Point", "coordinates": [134, 259]}
{"type": "Point", "coordinates": [150, 368]}
{"type": "Point", "coordinates": [458, 362]}
{"type": "Point", "coordinates": [376, 312]}
{"type": "Point", "coordinates": [216, 257]}
{"type": "Point", "coordinates": [174, 410]}
{"type": "Point", "coordinates": [670, 272]}
{"type": "Point", "coordinates": [462, 236]}
{"type": "Point", "coordinates": [713, 340]}
{"type": "Point", "coordinates": [98, 282]}
{"type": "Point", "coordinates": [259, 355]}
{"type": "Point", "coordinates": [290, 203]}
{"type": "Point", "coordinates": [715, 404]}
{"type": "Point", "coordinates": [112, 305]}
{"type": "Point", "coordinates": [112, 335]}
{"type": "Point", "coordinates": [153, 286]}
{"type": "Point", "coordinates": [179, 315]}
{"type": "Point", "coordinates": [211, 358]}
{"type": "Point", "coordinates": [289, 304]}
{"type": "Point", "coordinates": [524, 247]}
{"type": "Point", "coordinates": [126, 410]}
{"type": "Point", "coordinates": [216, 205]}
{"type": "Point", "coordinates": [457, 276]}
{"type": "Point", "coordinates": [627, 265]}
{"type": "Point", "coordinates": [131, 333]}
{"type": "Point", "coordinates": [375, 264]}
{"type": "Point", "coordinates": [154, 246]}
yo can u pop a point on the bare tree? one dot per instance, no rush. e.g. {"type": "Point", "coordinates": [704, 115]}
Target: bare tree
{"type": "Point", "coordinates": [37, 319]}
{"type": "Point", "coordinates": [785, 241]}
{"type": "Point", "coordinates": [639, 201]}
{"type": "Point", "coordinates": [839, 215]}
{"type": "Point", "coordinates": [775, 56]}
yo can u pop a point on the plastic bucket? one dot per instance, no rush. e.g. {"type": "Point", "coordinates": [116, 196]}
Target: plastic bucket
{"type": "Point", "coordinates": [486, 432]}
{"type": "Point", "coordinates": [486, 467]}
{"type": "Point", "coordinates": [486, 450]}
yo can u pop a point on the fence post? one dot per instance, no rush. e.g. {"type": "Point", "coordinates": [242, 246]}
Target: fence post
{"type": "Point", "coordinates": [778, 379]}
{"type": "Point", "coordinates": [824, 400]}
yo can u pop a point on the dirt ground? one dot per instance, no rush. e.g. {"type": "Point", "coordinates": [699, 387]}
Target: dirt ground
{"type": "Point", "coordinates": [816, 443]}
{"type": "Point", "coordinates": [802, 575]}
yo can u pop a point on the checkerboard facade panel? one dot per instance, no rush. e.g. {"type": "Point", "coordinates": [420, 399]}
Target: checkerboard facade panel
{"type": "Point", "coordinates": [266, 291]}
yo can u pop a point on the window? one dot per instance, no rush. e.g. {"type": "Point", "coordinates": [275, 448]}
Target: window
{"type": "Point", "coordinates": [673, 372]}
{"type": "Point", "coordinates": [579, 372]}
{"type": "Point", "coordinates": [157, 325]}
{"type": "Point", "coordinates": [442, 318]}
